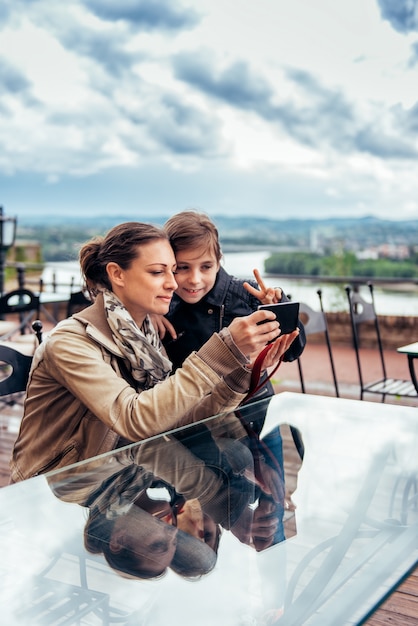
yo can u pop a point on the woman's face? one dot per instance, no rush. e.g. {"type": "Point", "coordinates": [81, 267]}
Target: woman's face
{"type": "Point", "coordinates": [196, 273]}
{"type": "Point", "coordinates": [152, 541]}
{"type": "Point", "coordinates": [148, 285]}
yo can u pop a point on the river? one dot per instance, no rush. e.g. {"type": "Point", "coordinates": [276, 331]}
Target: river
{"type": "Point", "coordinates": [241, 264]}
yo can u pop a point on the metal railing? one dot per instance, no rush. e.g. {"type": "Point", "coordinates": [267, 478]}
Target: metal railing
{"type": "Point", "coordinates": [27, 281]}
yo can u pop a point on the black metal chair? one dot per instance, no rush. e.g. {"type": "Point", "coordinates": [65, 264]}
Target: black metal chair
{"type": "Point", "coordinates": [77, 302]}
{"type": "Point", "coordinates": [316, 322]}
{"type": "Point", "coordinates": [22, 306]}
{"type": "Point", "coordinates": [361, 312]}
{"type": "Point", "coordinates": [15, 366]}
{"type": "Point", "coordinates": [20, 365]}
{"type": "Point", "coordinates": [51, 601]}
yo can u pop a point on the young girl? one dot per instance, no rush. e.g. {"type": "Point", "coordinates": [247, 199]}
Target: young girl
{"type": "Point", "coordinates": [102, 379]}
{"type": "Point", "coordinates": [207, 298]}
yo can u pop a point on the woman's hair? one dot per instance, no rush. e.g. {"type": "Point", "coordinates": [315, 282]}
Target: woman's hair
{"type": "Point", "coordinates": [120, 246]}
{"type": "Point", "coordinates": [97, 536]}
{"type": "Point", "coordinates": [192, 559]}
{"type": "Point", "coordinates": [190, 229]}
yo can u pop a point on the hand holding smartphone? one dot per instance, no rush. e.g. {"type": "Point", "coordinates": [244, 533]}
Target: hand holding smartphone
{"type": "Point", "coordinates": [287, 314]}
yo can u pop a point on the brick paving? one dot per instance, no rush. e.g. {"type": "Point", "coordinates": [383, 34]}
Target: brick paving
{"type": "Point", "coordinates": [318, 375]}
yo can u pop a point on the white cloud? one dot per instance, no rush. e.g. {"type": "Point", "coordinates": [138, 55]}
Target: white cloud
{"type": "Point", "coordinates": [317, 97]}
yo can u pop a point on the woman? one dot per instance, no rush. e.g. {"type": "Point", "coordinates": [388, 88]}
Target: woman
{"type": "Point", "coordinates": [102, 379]}
{"type": "Point", "coordinates": [140, 536]}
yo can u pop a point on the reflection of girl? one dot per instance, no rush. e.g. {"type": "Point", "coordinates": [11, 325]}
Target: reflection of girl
{"type": "Point", "coordinates": [102, 379]}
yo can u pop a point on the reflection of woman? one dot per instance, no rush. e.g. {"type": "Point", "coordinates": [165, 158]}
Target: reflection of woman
{"type": "Point", "coordinates": [101, 379]}
{"type": "Point", "coordinates": [140, 535]}
{"type": "Point", "coordinates": [140, 538]}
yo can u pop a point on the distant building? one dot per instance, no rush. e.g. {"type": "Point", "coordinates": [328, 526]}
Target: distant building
{"type": "Point", "coordinates": [384, 251]}
{"type": "Point", "coordinates": [369, 253]}
{"type": "Point", "coordinates": [25, 252]}
{"type": "Point", "coordinates": [393, 251]}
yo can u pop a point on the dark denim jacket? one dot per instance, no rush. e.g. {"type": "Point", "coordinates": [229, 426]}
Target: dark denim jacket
{"type": "Point", "coordinates": [195, 323]}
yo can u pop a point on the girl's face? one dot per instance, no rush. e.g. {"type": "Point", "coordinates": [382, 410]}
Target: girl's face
{"type": "Point", "coordinates": [148, 285]}
{"type": "Point", "coordinates": [196, 273]}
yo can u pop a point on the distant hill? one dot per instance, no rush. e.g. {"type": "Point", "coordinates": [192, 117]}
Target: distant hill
{"type": "Point", "coordinates": [255, 227]}
{"type": "Point", "coordinates": [60, 236]}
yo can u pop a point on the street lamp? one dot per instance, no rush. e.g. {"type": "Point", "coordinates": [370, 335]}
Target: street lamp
{"type": "Point", "coordinates": [7, 239]}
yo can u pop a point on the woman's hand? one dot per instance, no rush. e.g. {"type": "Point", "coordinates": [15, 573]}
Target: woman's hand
{"type": "Point", "coordinates": [258, 527]}
{"type": "Point", "coordinates": [266, 295]}
{"type": "Point", "coordinates": [252, 332]}
{"type": "Point", "coordinates": [162, 326]}
{"type": "Point", "coordinates": [265, 524]}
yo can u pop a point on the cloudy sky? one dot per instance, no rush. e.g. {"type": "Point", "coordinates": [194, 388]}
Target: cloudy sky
{"type": "Point", "coordinates": [301, 108]}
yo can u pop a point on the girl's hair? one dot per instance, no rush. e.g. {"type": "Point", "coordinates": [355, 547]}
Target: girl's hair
{"type": "Point", "coordinates": [193, 558]}
{"type": "Point", "coordinates": [120, 246]}
{"type": "Point", "coordinates": [190, 229]}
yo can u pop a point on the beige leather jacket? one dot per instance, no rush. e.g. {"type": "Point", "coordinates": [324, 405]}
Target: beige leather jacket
{"type": "Point", "coordinates": [80, 402]}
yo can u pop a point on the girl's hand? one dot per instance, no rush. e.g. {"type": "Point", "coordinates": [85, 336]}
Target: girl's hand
{"type": "Point", "coordinates": [162, 326]}
{"type": "Point", "coordinates": [278, 348]}
{"type": "Point", "coordinates": [266, 295]}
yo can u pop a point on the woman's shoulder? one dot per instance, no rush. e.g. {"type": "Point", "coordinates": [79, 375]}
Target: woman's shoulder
{"type": "Point", "coordinates": [64, 337]}
{"type": "Point", "coordinates": [68, 325]}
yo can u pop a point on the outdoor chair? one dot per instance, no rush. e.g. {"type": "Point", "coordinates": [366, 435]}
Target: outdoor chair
{"type": "Point", "coordinates": [17, 309]}
{"type": "Point", "coordinates": [319, 588]}
{"type": "Point", "coordinates": [364, 312]}
{"type": "Point", "coordinates": [316, 322]}
{"type": "Point", "coordinates": [19, 364]}
{"type": "Point", "coordinates": [77, 302]}
{"type": "Point", "coordinates": [15, 364]}
{"type": "Point", "coordinates": [51, 601]}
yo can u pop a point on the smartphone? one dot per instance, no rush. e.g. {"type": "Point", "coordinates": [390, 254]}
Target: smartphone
{"type": "Point", "coordinates": [287, 314]}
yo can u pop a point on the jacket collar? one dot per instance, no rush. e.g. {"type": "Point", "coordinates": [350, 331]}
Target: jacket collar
{"type": "Point", "coordinates": [218, 292]}
{"type": "Point", "coordinates": [94, 319]}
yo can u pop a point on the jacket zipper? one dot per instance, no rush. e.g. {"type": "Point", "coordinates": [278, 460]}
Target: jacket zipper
{"type": "Point", "coordinates": [221, 315]}
{"type": "Point", "coordinates": [55, 460]}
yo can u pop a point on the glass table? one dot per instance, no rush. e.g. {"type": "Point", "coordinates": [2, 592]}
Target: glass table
{"type": "Point", "coordinates": [305, 516]}
{"type": "Point", "coordinates": [411, 351]}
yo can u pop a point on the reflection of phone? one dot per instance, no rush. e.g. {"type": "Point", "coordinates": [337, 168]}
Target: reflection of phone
{"type": "Point", "coordinates": [287, 314]}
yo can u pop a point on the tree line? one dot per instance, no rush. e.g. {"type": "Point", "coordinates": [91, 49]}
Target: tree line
{"type": "Point", "coordinates": [340, 264]}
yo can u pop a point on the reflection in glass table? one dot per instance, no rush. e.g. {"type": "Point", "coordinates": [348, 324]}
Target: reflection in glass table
{"type": "Point", "coordinates": [210, 524]}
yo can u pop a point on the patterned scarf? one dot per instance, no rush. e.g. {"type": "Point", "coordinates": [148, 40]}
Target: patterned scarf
{"type": "Point", "coordinates": [118, 493]}
{"type": "Point", "coordinates": [141, 346]}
